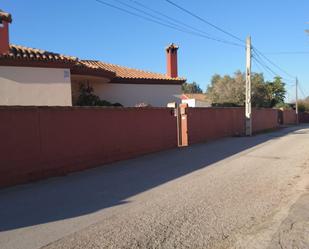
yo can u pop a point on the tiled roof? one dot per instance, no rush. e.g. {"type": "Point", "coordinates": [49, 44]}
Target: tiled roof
{"type": "Point", "coordinates": [5, 16]}
{"type": "Point", "coordinates": [130, 73]}
{"type": "Point", "coordinates": [25, 55]}
{"type": "Point", "coordinates": [33, 54]}
{"type": "Point", "coordinates": [28, 56]}
{"type": "Point", "coordinates": [198, 96]}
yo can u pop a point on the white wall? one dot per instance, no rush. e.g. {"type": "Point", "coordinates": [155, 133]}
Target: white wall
{"type": "Point", "coordinates": [190, 102]}
{"type": "Point", "coordinates": [35, 86]}
{"type": "Point", "coordinates": [202, 104]}
{"type": "Point", "coordinates": [132, 94]}
{"type": "Point", "coordinates": [196, 103]}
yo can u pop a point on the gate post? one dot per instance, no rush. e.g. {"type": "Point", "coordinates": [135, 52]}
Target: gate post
{"type": "Point", "coordinates": [182, 123]}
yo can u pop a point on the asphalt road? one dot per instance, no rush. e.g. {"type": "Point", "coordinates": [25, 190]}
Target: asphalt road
{"type": "Point", "coordinates": [233, 193]}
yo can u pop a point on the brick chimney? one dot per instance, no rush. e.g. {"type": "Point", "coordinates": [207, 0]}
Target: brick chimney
{"type": "Point", "coordinates": [5, 20]}
{"type": "Point", "coordinates": [171, 56]}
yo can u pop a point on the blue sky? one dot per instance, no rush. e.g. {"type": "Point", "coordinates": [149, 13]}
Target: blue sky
{"type": "Point", "coordinates": [90, 30]}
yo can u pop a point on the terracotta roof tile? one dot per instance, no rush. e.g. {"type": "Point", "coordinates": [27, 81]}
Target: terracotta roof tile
{"type": "Point", "coordinates": [25, 53]}
{"type": "Point", "coordinates": [117, 73]}
{"type": "Point", "coordinates": [130, 73]}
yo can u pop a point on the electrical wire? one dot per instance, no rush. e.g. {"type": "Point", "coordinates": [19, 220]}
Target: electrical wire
{"type": "Point", "coordinates": [205, 21]}
{"type": "Point", "coordinates": [302, 91]}
{"type": "Point", "coordinates": [258, 65]}
{"type": "Point", "coordinates": [286, 53]}
{"type": "Point", "coordinates": [274, 64]}
{"type": "Point", "coordinates": [270, 71]}
{"type": "Point", "coordinates": [149, 14]}
{"type": "Point", "coordinates": [166, 25]}
{"type": "Point", "coordinates": [175, 24]}
{"type": "Point", "coordinates": [170, 18]}
{"type": "Point", "coordinates": [231, 35]}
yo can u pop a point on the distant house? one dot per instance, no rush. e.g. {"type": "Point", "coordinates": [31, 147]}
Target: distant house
{"type": "Point", "coordinates": [31, 76]}
{"type": "Point", "coordinates": [195, 99]}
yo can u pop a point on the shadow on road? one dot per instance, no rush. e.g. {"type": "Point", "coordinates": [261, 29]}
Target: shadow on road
{"type": "Point", "coordinates": [92, 190]}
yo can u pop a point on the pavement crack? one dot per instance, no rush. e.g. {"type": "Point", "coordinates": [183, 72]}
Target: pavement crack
{"type": "Point", "coordinates": [291, 226]}
{"type": "Point", "coordinates": [279, 242]}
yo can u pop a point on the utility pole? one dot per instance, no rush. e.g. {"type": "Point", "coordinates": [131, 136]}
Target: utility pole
{"type": "Point", "coordinates": [248, 88]}
{"type": "Point", "coordinates": [296, 103]}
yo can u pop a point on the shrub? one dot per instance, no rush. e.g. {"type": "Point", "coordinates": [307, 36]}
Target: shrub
{"type": "Point", "coordinates": [303, 106]}
{"type": "Point", "coordinates": [87, 98]}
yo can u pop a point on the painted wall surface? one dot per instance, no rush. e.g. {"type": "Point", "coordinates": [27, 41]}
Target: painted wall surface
{"type": "Point", "coordinates": [289, 117]}
{"type": "Point", "coordinates": [206, 124]}
{"type": "Point", "coordinates": [304, 117]}
{"type": "Point", "coordinates": [202, 104]}
{"type": "Point", "coordinates": [35, 86]}
{"type": "Point", "coordinates": [190, 102]}
{"type": "Point", "coordinates": [195, 103]}
{"type": "Point", "coordinates": [264, 119]}
{"type": "Point", "coordinates": [39, 142]}
{"type": "Point", "coordinates": [131, 94]}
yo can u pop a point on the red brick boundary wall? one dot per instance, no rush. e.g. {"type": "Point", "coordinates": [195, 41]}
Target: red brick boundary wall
{"type": "Point", "coordinates": [264, 119]}
{"type": "Point", "coordinates": [304, 117]}
{"type": "Point", "coordinates": [206, 124]}
{"type": "Point", "coordinates": [289, 117]}
{"type": "Point", "coordinates": [39, 142]}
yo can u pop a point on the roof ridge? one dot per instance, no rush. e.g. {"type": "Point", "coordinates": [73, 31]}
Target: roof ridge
{"type": "Point", "coordinates": [22, 53]}
{"type": "Point", "coordinates": [43, 51]}
{"type": "Point", "coordinates": [126, 67]}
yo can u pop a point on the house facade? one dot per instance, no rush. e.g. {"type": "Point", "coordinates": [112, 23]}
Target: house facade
{"type": "Point", "coordinates": [195, 100]}
{"type": "Point", "coordinates": [37, 77]}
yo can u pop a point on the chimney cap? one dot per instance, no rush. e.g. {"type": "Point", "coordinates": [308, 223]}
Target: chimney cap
{"type": "Point", "coordinates": [4, 16]}
{"type": "Point", "coordinates": [172, 47]}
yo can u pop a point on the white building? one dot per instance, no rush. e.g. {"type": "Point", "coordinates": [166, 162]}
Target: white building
{"type": "Point", "coordinates": [36, 77]}
{"type": "Point", "coordinates": [195, 100]}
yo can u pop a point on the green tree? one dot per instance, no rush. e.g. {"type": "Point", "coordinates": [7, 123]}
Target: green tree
{"type": "Point", "coordinates": [229, 91]}
{"type": "Point", "coordinates": [276, 91]}
{"type": "Point", "coordinates": [191, 88]}
{"type": "Point", "coordinates": [303, 105]}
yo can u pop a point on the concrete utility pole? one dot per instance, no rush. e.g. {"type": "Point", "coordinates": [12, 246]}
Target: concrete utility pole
{"type": "Point", "coordinates": [248, 88]}
{"type": "Point", "coordinates": [296, 103]}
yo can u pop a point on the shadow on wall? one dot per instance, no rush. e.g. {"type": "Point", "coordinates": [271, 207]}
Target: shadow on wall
{"type": "Point", "coordinates": [93, 190]}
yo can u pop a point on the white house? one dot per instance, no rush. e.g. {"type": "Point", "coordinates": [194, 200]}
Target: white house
{"type": "Point", "coordinates": [195, 100]}
{"type": "Point", "coordinates": [31, 76]}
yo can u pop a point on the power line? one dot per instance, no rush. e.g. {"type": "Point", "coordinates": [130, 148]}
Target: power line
{"type": "Point", "coordinates": [183, 27]}
{"type": "Point", "coordinates": [274, 64]}
{"type": "Point", "coordinates": [171, 18]}
{"type": "Point", "coordinates": [166, 25]}
{"type": "Point", "coordinates": [302, 91]}
{"type": "Point", "coordinates": [287, 53]}
{"type": "Point", "coordinates": [259, 65]}
{"type": "Point", "coordinates": [234, 36]}
{"type": "Point", "coordinates": [148, 14]}
{"type": "Point", "coordinates": [166, 16]}
{"type": "Point", "coordinates": [137, 15]}
{"type": "Point", "coordinates": [270, 71]}
{"type": "Point", "coordinates": [267, 68]}
{"type": "Point", "coordinates": [175, 22]}
{"type": "Point", "coordinates": [261, 61]}
{"type": "Point", "coordinates": [205, 21]}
